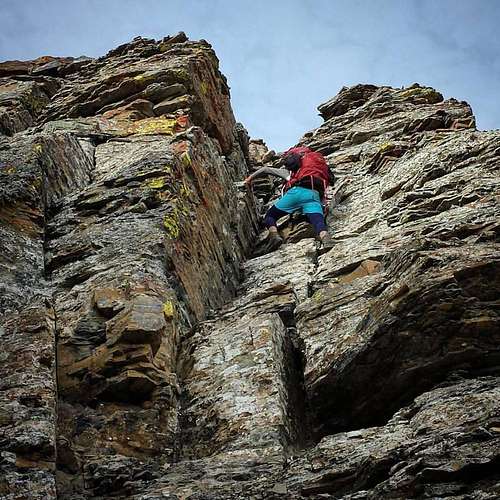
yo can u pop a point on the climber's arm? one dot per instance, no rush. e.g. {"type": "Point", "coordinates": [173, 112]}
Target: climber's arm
{"type": "Point", "coordinates": [277, 172]}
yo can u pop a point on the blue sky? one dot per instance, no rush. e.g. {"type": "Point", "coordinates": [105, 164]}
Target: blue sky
{"type": "Point", "coordinates": [283, 58]}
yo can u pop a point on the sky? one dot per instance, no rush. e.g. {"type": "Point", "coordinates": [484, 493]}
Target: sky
{"type": "Point", "coordinates": [283, 58]}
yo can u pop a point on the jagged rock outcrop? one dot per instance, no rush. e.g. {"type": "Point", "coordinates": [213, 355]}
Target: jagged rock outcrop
{"type": "Point", "coordinates": [121, 228]}
{"type": "Point", "coordinates": [146, 353]}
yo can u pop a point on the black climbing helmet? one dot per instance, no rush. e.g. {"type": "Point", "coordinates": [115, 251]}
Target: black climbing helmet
{"type": "Point", "coordinates": [292, 161]}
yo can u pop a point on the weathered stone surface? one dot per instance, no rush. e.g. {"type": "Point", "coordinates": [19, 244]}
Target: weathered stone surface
{"type": "Point", "coordinates": [21, 102]}
{"type": "Point", "coordinates": [42, 65]}
{"type": "Point", "coordinates": [131, 228]}
{"type": "Point", "coordinates": [430, 222]}
{"type": "Point", "coordinates": [370, 371]}
{"type": "Point", "coordinates": [173, 104]}
{"type": "Point", "coordinates": [348, 98]}
{"type": "Point", "coordinates": [28, 403]}
{"type": "Point", "coordinates": [446, 444]}
{"type": "Point", "coordinates": [145, 69]}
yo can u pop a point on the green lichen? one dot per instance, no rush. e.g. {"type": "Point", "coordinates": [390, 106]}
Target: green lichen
{"type": "Point", "coordinates": [34, 103]}
{"type": "Point", "coordinates": [37, 184]}
{"type": "Point", "coordinates": [157, 183]}
{"type": "Point", "coordinates": [146, 78]}
{"type": "Point", "coordinates": [172, 221]}
{"type": "Point", "coordinates": [185, 191]}
{"type": "Point", "coordinates": [181, 75]}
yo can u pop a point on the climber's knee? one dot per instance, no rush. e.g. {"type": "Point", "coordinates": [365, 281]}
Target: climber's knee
{"type": "Point", "coordinates": [272, 215]}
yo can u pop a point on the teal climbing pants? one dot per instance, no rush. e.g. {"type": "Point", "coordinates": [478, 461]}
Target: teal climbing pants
{"type": "Point", "coordinates": [300, 198]}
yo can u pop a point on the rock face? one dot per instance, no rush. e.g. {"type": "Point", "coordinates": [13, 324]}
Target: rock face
{"type": "Point", "coordinates": [121, 229]}
{"type": "Point", "coordinates": [149, 354]}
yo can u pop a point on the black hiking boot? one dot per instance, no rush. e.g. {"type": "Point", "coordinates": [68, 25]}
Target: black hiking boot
{"type": "Point", "coordinates": [325, 244]}
{"type": "Point", "coordinates": [267, 243]}
{"type": "Point", "coordinates": [274, 241]}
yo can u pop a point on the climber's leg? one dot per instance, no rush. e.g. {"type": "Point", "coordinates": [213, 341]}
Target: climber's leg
{"type": "Point", "coordinates": [318, 223]}
{"type": "Point", "coordinates": [314, 213]}
{"type": "Point", "coordinates": [313, 210]}
{"type": "Point", "coordinates": [272, 215]}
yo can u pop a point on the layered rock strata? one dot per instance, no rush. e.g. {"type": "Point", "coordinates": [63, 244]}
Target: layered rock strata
{"type": "Point", "coordinates": [121, 228]}
{"type": "Point", "coordinates": [145, 358]}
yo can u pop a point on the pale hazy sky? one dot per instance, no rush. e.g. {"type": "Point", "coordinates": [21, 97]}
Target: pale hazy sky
{"type": "Point", "coordinates": [283, 58]}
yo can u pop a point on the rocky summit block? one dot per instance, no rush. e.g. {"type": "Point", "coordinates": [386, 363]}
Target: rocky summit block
{"type": "Point", "coordinates": [146, 356]}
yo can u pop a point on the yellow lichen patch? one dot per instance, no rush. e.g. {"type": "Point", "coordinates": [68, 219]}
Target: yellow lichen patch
{"type": "Point", "coordinates": [186, 159]}
{"type": "Point", "coordinates": [168, 309]}
{"type": "Point", "coordinates": [157, 183]}
{"type": "Point", "coordinates": [385, 147]}
{"type": "Point", "coordinates": [37, 184]}
{"type": "Point", "coordinates": [151, 126]}
{"type": "Point", "coordinates": [182, 75]}
{"type": "Point", "coordinates": [204, 88]}
{"type": "Point", "coordinates": [38, 148]}
{"type": "Point", "coordinates": [185, 191]}
{"type": "Point", "coordinates": [171, 224]}
{"type": "Point", "coordinates": [426, 93]}
{"type": "Point", "coordinates": [146, 78]}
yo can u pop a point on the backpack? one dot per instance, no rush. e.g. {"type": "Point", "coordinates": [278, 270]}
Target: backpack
{"type": "Point", "coordinates": [313, 167]}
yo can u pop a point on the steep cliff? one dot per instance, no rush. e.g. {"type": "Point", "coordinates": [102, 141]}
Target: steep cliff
{"type": "Point", "coordinates": [153, 349]}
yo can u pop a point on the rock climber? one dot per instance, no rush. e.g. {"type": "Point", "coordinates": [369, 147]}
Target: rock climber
{"type": "Point", "coordinates": [307, 177]}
